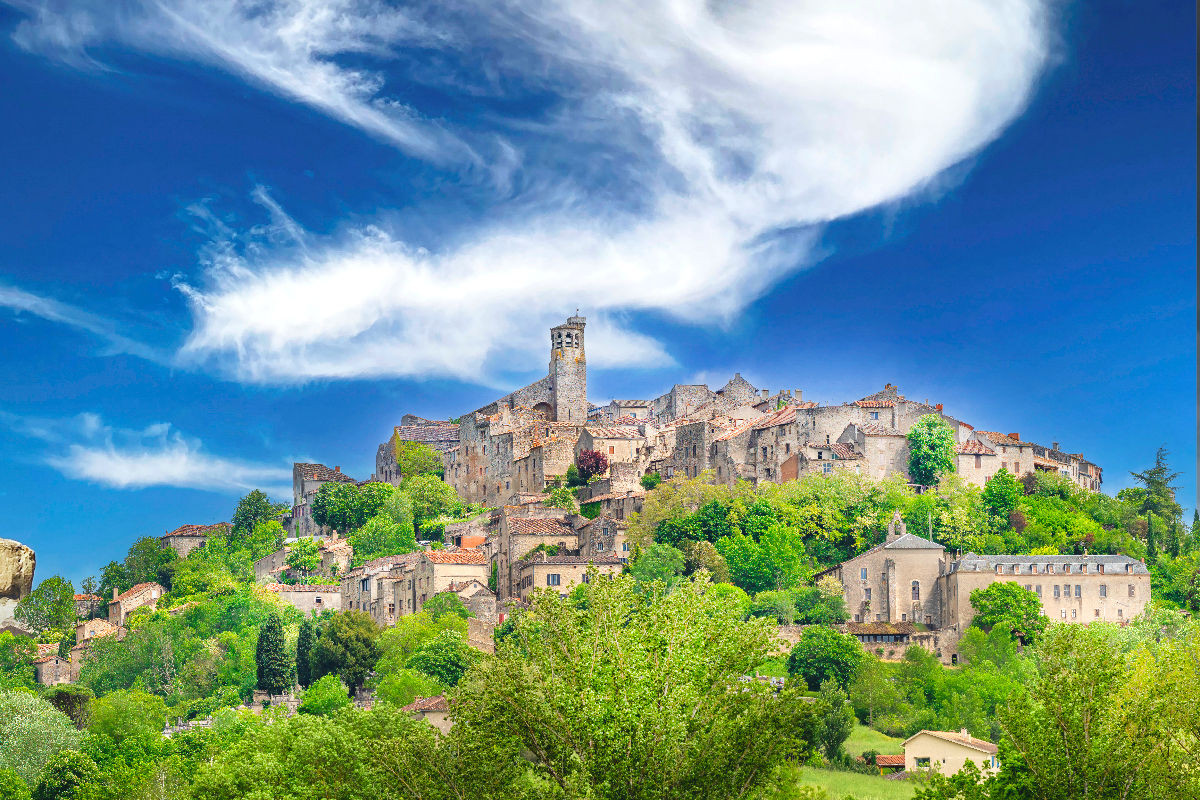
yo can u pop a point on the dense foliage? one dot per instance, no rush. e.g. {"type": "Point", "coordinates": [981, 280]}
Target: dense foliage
{"type": "Point", "coordinates": [932, 451]}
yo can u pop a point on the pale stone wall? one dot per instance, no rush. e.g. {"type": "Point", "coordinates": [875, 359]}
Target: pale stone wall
{"type": "Point", "coordinates": [307, 599]}
{"type": "Point", "coordinates": [945, 756]}
{"type": "Point", "coordinates": [558, 574]}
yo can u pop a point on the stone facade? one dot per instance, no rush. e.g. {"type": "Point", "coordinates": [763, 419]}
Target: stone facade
{"type": "Point", "coordinates": [909, 581]}
{"type": "Point", "coordinates": [307, 479]}
{"type": "Point", "coordinates": [336, 555]}
{"type": "Point", "coordinates": [559, 573]}
{"type": "Point", "coordinates": [307, 598]}
{"type": "Point", "coordinates": [140, 596]}
{"type": "Point", "coordinates": [51, 670]}
{"type": "Point", "coordinates": [441, 435]}
{"type": "Point", "coordinates": [369, 587]}
{"type": "Point", "coordinates": [187, 538]}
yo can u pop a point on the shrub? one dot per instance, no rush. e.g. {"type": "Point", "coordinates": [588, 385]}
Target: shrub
{"type": "Point", "coordinates": [68, 775]}
{"type": "Point", "coordinates": [32, 732]}
{"type": "Point", "coordinates": [324, 697]}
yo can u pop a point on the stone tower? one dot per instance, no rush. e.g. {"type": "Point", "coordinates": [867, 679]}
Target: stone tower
{"type": "Point", "coordinates": [568, 371]}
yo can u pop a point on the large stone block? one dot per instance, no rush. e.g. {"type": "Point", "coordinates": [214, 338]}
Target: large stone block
{"type": "Point", "coordinates": [16, 576]}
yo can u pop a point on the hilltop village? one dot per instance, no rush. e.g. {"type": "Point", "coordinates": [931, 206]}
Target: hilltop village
{"type": "Point", "coordinates": [468, 526]}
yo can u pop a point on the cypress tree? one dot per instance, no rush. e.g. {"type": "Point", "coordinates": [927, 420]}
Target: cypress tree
{"type": "Point", "coordinates": [1173, 541]}
{"type": "Point", "coordinates": [271, 658]}
{"type": "Point", "coordinates": [304, 645]}
{"type": "Point", "coordinates": [1151, 549]}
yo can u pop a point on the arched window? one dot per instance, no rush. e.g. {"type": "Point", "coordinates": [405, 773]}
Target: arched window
{"type": "Point", "coordinates": [916, 587]}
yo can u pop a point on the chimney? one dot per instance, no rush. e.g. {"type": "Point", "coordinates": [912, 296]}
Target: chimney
{"type": "Point", "coordinates": [1015, 436]}
{"type": "Point", "coordinates": [337, 469]}
{"type": "Point", "coordinates": [938, 407]}
{"type": "Point", "coordinates": [964, 731]}
{"type": "Point", "coordinates": [1055, 445]}
{"type": "Point", "coordinates": [114, 593]}
{"type": "Point", "coordinates": [799, 396]}
{"type": "Point", "coordinates": [766, 393]}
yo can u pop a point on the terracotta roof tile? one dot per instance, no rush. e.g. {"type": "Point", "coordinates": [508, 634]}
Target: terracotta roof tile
{"type": "Point", "coordinates": [320, 472]}
{"type": "Point", "coordinates": [599, 432]}
{"type": "Point", "coordinates": [973, 447]}
{"type": "Point", "coordinates": [737, 431]}
{"type": "Point", "coordinates": [1002, 438]}
{"type": "Point", "coordinates": [537, 558]}
{"type": "Point", "coordinates": [198, 530]}
{"type": "Point", "coordinates": [875, 403]}
{"type": "Point", "coordinates": [433, 435]}
{"type": "Point", "coordinates": [840, 449]}
{"type": "Point", "coordinates": [427, 704]}
{"type": "Point", "coordinates": [539, 527]}
{"type": "Point", "coordinates": [300, 587]}
{"type": "Point", "coordinates": [781, 417]}
{"type": "Point", "coordinates": [79, 598]}
{"type": "Point", "coordinates": [131, 591]}
{"type": "Point", "coordinates": [461, 557]}
{"type": "Point", "coordinates": [960, 738]}
{"type": "Point", "coordinates": [882, 760]}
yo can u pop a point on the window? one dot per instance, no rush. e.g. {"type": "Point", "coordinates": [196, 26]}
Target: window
{"type": "Point", "coordinates": [862, 574]}
{"type": "Point", "coordinates": [1056, 591]}
{"type": "Point", "coordinates": [624, 547]}
{"type": "Point", "coordinates": [787, 448]}
{"type": "Point", "coordinates": [904, 617]}
{"type": "Point", "coordinates": [1078, 590]}
{"type": "Point", "coordinates": [1083, 569]}
{"type": "Point", "coordinates": [820, 455]}
{"type": "Point", "coordinates": [879, 617]}
{"type": "Point", "coordinates": [1119, 613]}
{"type": "Point", "coordinates": [827, 469]}
{"type": "Point", "coordinates": [1003, 465]}
{"type": "Point", "coordinates": [1064, 613]}
{"type": "Point", "coordinates": [1097, 611]}
{"type": "Point", "coordinates": [553, 579]}
{"type": "Point", "coordinates": [999, 568]}
{"type": "Point", "coordinates": [874, 415]}
{"type": "Point", "coordinates": [1066, 569]}
{"type": "Point", "coordinates": [611, 449]}
{"type": "Point", "coordinates": [1100, 568]}
{"type": "Point", "coordinates": [978, 462]}
{"type": "Point", "coordinates": [1132, 593]}
{"type": "Point", "coordinates": [1028, 588]}
{"type": "Point", "coordinates": [1074, 613]}
{"type": "Point", "coordinates": [1129, 569]}
{"type": "Point", "coordinates": [1038, 590]}
{"type": "Point", "coordinates": [916, 590]}
{"type": "Point", "coordinates": [867, 594]}
{"type": "Point", "coordinates": [1103, 590]}
{"type": "Point", "coordinates": [858, 617]}
{"type": "Point", "coordinates": [1017, 467]}
{"type": "Point", "coordinates": [764, 455]}
{"type": "Point", "coordinates": [364, 585]}
{"type": "Point", "coordinates": [1033, 569]}
{"type": "Point", "coordinates": [1049, 569]}
{"type": "Point", "coordinates": [922, 762]}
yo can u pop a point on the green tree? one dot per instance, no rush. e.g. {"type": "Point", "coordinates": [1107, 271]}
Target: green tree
{"type": "Point", "coordinates": [1002, 494]}
{"type": "Point", "coordinates": [577, 687]}
{"type": "Point", "coordinates": [11, 785]}
{"type": "Point", "coordinates": [324, 697]}
{"type": "Point", "coordinates": [50, 606]}
{"type": "Point", "coordinates": [112, 576]}
{"type": "Point", "coordinates": [32, 732]}
{"type": "Point", "coordinates": [16, 661]}
{"type": "Point", "coordinates": [444, 603]}
{"type": "Point", "coordinates": [651, 480]}
{"type": "Point", "coordinates": [704, 556]}
{"type": "Point", "coordinates": [266, 537]}
{"type": "Point", "coordinates": [304, 557]}
{"type": "Point", "coordinates": [346, 647]}
{"type": "Point", "coordinates": [74, 701]}
{"type": "Point", "coordinates": [658, 562]}
{"type": "Point", "coordinates": [390, 533]}
{"type": "Point", "coordinates": [562, 497]}
{"type": "Point", "coordinates": [336, 505]}
{"type": "Point", "coordinates": [88, 587]}
{"type": "Point", "coordinates": [304, 646]}
{"type": "Point", "coordinates": [1011, 605]}
{"type": "Point", "coordinates": [1158, 494]}
{"type": "Point", "coordinates": [274, 666]}
{"type": "Point", "coordinates": [147, 561]}
{"type": "Point", "coordinates": [572, 478]}
{"type": "Point", "coordinates": [824, 654]}
{"type": "Point", "coordinates": [1151, 540]}
{"type": "Point", "coordinates": [128, 716]}
{"type": "Point", "coordinates": [253, 510]}
{"type": "Point", "coordinates": [431, 498]}
{"type": "Point", "coordinates": [445, 658]}
{"type": "Point", "coordinates": [416, 458]}
{"type": "Point", "coordinates": [932, 451]}
{"type": "Point", "coordinates": [67, 776]}
{"type": "Point", "coordinates": [836, 723]}
{"type": "Point", "coordinates": [873, 691]}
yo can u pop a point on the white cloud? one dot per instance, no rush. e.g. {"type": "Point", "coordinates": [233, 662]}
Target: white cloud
{"type": "Point", "coordinates": [21, 301]}
{"type": "Point", "coordinates": [733, 132]}
{"type": "Point", "coordinates": [85, 448]}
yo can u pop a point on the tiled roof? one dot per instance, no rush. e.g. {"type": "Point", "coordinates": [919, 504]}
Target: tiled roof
{"type": "Point", "coordinates": [333, 546]}
{"type": "Point", "coordinates": [911, 542]}
{"type": "Point", "coordinates": [875, 403]}
{"type": "Point", "coordinates": [135, 590]}
{"type": "Point", "coordinates": [320, 472]}
{"type": "Point", "coordinates": [427, 704]}
{"type": "Point", "coordinates": [781, 417]}
{"type": "Point", "coordinates": [882, 760]}
{"type": "Point", "coordinates": [461, 557]}
{"type": "Point", "coordinates": [197, 530]}
{"type": "Point", "coordinates": [599, 432]}
{"type": "Point", "coordinates": [840, 449]}
{"type": "Point", "coordinates": [300, 587]}
{"type": "Point", "coordinates": [880, 430]}
{"type": "Point", "coordinates": [50, 657]}
{"type": "Point", "coordinates": [539, 527]}
{"type": "Point", "coordinates": [974, 447]}
{"type": "Point", "coordinates": [1002, 438]}
{"type": "Point", "coordinates": [427, 434]}
{"type": "Point", "coordinates": [880, 628]}
{"type": "Point", "coordinates": [539, 558]}
{"type": "Point", "coordinates": [737, 431]}
{"type": "Point", "coordinates": [47, 648]}
{"type": "Point", "coordinates": [959, 738]}
{"type": "Point", "coordinates": [79, 598]}
{"type": "Point", "coordinates": [971, 562]}
{"type": "Point", "coordinates": [632, 403]}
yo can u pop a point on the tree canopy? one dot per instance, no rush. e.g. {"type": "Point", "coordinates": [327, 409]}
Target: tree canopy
{"type": "Point", "coordinates": [932, 450]}
{"type": "Point", "coordinates": [1010, 605]}
{"type": "Point", "coordinates": [49, 606]}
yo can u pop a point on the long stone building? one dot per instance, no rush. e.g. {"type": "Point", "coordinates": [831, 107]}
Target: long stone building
{"type": "Point", "coordinates": [908, 589]}
{"type": "Point", "coordinates": [527, 439]}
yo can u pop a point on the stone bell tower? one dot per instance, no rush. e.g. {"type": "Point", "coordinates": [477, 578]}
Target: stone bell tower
{"type": "Point", "coordinates": [568, 371]}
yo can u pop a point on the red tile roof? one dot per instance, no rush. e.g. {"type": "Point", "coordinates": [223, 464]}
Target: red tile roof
{"type": "Point", "coordinates": [460, 557]}
{"type": "Point", "coordinates": [135, 590]}
{"type": "Point", "coordinates": [973, 447]}
{"type": "Point", "coordinates": [79, 598]}
{"type": "Point", "coordinates": [539, 527]}
{"type": "Point", "coordinates": [960, 738]}
{"type": "Point", "coordinates": [882, 760]}
{"type": "Point", "coordinates": [427, 704]}
{"type": "Point", "coordinates": [541, 558]}
{"type": "Point", "coordinates": [198, 530]}
{"type": "Point", "coordinates": [1002, 438]}
{"type": "Point", "coordinates": [432, 435]}
{"type": "Point", "coordinates": [300, 587]}
{"type": "Point", "coordinates": [781, 417]}
{"type": "Point", "coordinates": [320, 472]}
{"type": "Point", "coordinates": [737, 431]}
{"type": "Point", "coordinates": [875, 403]}
{"type": "Point", "coordinates": [599, 432]}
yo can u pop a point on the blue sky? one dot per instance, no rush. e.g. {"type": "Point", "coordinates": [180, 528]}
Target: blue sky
{"type": "Point", "coordinates": [238, 236]}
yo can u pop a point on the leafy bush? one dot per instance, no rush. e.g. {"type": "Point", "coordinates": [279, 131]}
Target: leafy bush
{"type": "Point", "coordinates": [69, 775]}
{"type": "Point", "coordinates": [324, 697]}
{"type": "Point", "coordinates": [32, 732]}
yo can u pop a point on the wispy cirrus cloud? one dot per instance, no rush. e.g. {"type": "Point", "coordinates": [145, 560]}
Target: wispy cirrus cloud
{"type": "Point", "coordinates": [85, 448]}
{"type": "Point", "coordinates": [687, 159]}
{"type": "Point", "coordinates": [21, 301]}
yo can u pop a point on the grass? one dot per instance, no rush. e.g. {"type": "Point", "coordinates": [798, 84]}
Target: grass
{"type": "Point", "coordinates": [773, 667]}
{"type": "Point", "coordinates": [861, 787]}
{"type": "Point", "coordinates": [863, 738]}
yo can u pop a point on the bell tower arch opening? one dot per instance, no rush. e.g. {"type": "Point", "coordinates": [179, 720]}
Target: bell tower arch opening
{"type": "Point", "coordinates": [568, 371]}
